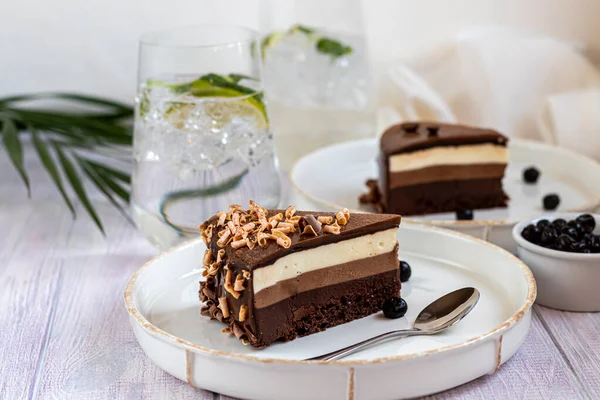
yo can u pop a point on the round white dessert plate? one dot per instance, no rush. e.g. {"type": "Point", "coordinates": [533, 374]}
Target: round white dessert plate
{"type": "Point", "coordinates": [162, 300]}
{"type": "Point", "coordinates": [335, 176]}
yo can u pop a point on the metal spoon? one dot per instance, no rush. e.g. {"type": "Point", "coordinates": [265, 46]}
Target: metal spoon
{"type": "Point", "coordinates": [436, 317]}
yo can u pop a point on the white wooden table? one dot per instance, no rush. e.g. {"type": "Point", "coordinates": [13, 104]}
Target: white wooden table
{"type": "Point", "coordinates": [64, 332]}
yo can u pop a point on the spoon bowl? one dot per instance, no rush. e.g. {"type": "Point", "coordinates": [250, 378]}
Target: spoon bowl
{"type": "Point", "coordinates": [447, 310]}
{"type": "Point", "coordinates": [435, 318]}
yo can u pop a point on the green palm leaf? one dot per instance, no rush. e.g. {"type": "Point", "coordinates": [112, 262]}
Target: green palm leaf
{"type": "Point", "coordinates": [102, 185]}
{"type": "Point", "coordinates": [59, 135]}
{"type": "Point", "coordinates": [75, 181]}
{"type": "Point", "coordinates": [12, 145]}
{"type": "Point", "coordinates": [50, 166]}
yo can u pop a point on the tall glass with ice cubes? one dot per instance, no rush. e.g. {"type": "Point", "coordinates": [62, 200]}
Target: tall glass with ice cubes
{"type": "Point", "coordinates": [202, 133]}
{"type": "Point", "coordinates": [317, 74]}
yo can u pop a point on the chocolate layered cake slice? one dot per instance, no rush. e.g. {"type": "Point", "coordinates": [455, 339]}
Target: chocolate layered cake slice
{"type": "Point", "coordinates": [279, 274]}
{"type": "Point", "coordinates": [431, 167]}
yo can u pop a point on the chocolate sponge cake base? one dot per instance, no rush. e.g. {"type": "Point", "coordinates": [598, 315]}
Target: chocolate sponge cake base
{"type": "Point", "coordinates": [447, 196]}
{"type": "Point", "coordinates": [316, 310]}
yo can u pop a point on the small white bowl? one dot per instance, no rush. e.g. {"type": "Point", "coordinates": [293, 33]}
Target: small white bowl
{"type": "Point", "coordinates": [566, 281]}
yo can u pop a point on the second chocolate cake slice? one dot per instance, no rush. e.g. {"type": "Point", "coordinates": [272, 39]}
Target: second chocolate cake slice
{"type": "Point", "coordinates": [430, 167]}
{"type": "Point", "coordinates": [281, 274]}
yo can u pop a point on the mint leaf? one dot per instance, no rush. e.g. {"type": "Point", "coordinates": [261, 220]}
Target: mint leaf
{"type": "Point", "coordinates": [333, 48]}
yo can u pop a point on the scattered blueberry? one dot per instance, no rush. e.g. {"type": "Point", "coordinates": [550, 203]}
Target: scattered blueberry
{"type": "Point", "coordinates": [549, 236]}
{"type": "Point", "coordinates": [464, 214]}
{"type": "Point", "coordinates": [587, 221]}
{"type": "Point", "coordinates": [405, 271]}
{"type": "Point", "coordinates": [551, 201]}
{"type": "Point", "coordinates": [558, 223]}
{"type": "Point", "coordinates": [395, 307]}
{"type": "Point", "coordinates": [432, 130]}
{"type": "Point", "coordinates": [411, 128]}
{"type": "Point", "coordinates": [542, 224]}
{"type": "Point", "coordinates": [531, 175]}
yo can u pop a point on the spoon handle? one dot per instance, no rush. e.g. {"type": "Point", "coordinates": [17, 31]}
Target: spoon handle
{"type": "Point", "coordinates": [346, 351]}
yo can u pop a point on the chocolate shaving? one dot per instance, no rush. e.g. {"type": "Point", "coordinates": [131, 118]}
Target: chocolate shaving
{"type": "Point", "coordinates": [246, 274]}
{"type": "Point", "coordinates": [226, 330]}
{"type": "Point", "coordinates": [309, 230]}
{"type": "Point", "coordinates": [222, 216]}
{"type": "Point", "coordinates": [239, 243]}
{"type": "Point", "coordinates": [224, 239]}
{"type": "Point", "coordinates": [239, 283]}
{"type": "Point", "coordinates": [316, 225]}
{"type": "Point", "coordinates": [204, 311]}
{"type": "Point", "coordinates": [333, 228]}
{"type": "Point", "coordinates": [237, 331]}
{"type": "Point", "coordinates": [223, 306]}
{"type": "Point", "coordinates": [208, 293]}
{"type": "Point", "coordinates": [220, 255]}
{"type": "Point", "coordinates": [289, 213]}
{"type": "Point", "coordinates": [243, 312]}
{"type": "Point", "coordinates": [207, 260]}
{"type": "Point", "coordinates": [325, 220]}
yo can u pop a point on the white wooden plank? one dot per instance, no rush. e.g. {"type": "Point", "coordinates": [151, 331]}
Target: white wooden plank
{"type": "Point", "coordinates": [578, 337]}
{"type": "Point", "coordinates": [536, 371]}
{"type": "Point", "coordinates": [27, 299]}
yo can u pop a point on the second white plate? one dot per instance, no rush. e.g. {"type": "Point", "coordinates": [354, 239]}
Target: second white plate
{"type": "Point", "coordinates": [335, 176]}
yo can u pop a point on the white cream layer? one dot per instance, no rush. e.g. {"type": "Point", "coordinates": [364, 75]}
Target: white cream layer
{"type": "Point", "coordinates": [487, 153]}
{"type": "Point", "coordinates": [328, 255]}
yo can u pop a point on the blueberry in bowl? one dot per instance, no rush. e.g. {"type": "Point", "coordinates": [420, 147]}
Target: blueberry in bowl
{"type": "Point", "coordinates": [563, 252]}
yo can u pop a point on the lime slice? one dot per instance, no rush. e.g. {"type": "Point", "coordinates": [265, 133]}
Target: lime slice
{"type": "Point", "coordinates": [250, 105]}
{"type": "Point", "coordinates": [221, 112]}
{"type": "Point", "coordinates": [269, 41]}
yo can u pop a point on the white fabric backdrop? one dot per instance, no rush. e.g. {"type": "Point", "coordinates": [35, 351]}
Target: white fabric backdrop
{"type": "Point", "coordinates": [91, 46]}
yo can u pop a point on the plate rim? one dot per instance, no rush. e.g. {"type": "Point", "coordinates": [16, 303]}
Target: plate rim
{"type": "Point", "coordinates": [592, 205]}
{"type": "Point", "coordinates": [186, 345]}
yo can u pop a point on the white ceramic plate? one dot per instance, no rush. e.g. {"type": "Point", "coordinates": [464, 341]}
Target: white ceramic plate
{"type": "Point", "coordinates": [162, 299]}
{"type": "Point", "coordinates": [335, 176]}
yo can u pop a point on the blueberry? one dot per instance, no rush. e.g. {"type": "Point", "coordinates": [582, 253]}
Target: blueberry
{"type": "Point", "coordinates": [586, 250]}
{"type": "Point", "coordinates": [559, 223]}
{"type": "Point", "coordinates": [464, 214]}
{"type": "Point", "coordinates": [580, 247]}
{"type": "Point", "coordinates": [570, 231]}
{"type": "Point", "coordinates": [587, 221]}
{"type": "Point", "coordinates": [405, 271]}
{"type": "Point", "coordinates": [531, 233]}
{"type": "Point", "coordinates": [411, 128]}
{"type": "Point", "coordinates": [549, 236]}
{"type": "Point", "coordinates": [577, 226]}
{"type": "Point", "coordinates": [564, 243]}
{"type": "Point", "coordinates": [531, 175]}
{"type": "Point", "coordinates": [432, 130]}
{"type": "Point", "coordinates": [551, 201]}
{"type": "Point", "coordinates": [543, 223]}
{"type": "Point", "coordinates": [395, 307]}
{"type": "Point", "coordinates": [595, 247]}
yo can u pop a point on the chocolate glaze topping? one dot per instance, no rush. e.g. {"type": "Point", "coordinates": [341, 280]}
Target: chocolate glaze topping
{"type": "Point", "coordinates": [412, 136]}
{"type": "Point", "coordinates": [358, 225]}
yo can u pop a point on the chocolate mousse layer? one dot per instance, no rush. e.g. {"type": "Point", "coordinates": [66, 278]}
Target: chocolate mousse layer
{"type": "Point", "coordinates": [323, 278]}
{"type": "Point", "coordinates": [443, 173]}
